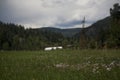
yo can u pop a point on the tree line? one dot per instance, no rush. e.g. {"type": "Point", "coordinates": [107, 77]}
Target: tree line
{"type": "Point", "coordinates": [16, 37]}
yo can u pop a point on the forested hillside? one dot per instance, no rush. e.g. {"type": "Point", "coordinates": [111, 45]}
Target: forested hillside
{"type": "Point", "coordinates": [96, 32]}
{"type": "Point", "coordinates": [104, 33]}
{"type": "Point", "coordinates": [65, 32]}
{"type": "Point", "coordinates": [15, 37]}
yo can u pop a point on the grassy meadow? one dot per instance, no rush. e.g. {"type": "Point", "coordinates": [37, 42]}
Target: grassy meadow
{"type": "Point", "coordinates": [60, 65]}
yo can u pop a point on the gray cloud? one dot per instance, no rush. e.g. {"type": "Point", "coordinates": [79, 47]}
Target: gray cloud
{"type": "Point", "coordinates": [59, 13]}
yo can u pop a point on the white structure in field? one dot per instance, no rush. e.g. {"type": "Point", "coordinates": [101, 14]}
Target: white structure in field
{"type": "Point", "coordinates": [53, 48]}
{"type": "Point", "coordinates": [59, 47]}
{"type": "Point", "coordinates": [48, 49]}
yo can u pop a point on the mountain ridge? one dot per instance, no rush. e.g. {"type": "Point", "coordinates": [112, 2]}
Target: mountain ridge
{"type": "Point", "coordinates": [66, 32]}
{"type": "Point", "coordinates": [92, 30]}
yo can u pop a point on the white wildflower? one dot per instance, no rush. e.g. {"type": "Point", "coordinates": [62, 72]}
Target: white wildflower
{"type": "Point", "coordinates": [112, 63]}
{"type": "Point", "coordinates": [94, 70]}
{"type": "Point", "coordinates": [108, 69]}
{"type": "Point", "coordinates": [61, 65]}
{"type": "Point", "coordinates": [58, 65]}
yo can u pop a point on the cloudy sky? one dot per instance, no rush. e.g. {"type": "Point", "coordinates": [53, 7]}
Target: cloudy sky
{"type": "Point", "coordinates": [54, 13]}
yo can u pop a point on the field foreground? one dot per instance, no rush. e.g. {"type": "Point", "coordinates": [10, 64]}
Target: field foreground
{"type": "Point", "coordinates": [60, 65]}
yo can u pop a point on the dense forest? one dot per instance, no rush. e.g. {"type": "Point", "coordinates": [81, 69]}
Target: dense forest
{"type": "Point", "coordinates": [102, 34]}
{"type": "Point", "coordinates": [16, 37]}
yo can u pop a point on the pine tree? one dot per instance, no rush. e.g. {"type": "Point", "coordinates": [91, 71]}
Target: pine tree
{"type": "Point", "coordinates": [114, 38]}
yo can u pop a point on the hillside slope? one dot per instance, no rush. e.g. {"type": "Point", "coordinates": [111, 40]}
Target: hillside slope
{"type": "Point", "coordinates": [65, 32]}
{"type": "Point", "coordinates": [97, 28]}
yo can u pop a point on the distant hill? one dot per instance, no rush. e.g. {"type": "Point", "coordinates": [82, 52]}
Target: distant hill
{"type": "Point", "coordinates": [96, 28]}
{"type": "Point", "coordinates": [65, 32]}
{"type": "Point", "coordinates": [92, 31]}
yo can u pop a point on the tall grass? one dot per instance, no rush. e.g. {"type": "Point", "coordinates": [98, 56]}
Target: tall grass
{"type": "Point", "coordinates": [60, 65]}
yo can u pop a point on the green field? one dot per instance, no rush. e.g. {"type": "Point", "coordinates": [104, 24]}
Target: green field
{"type": "Point", "coordinates": [60, 65]}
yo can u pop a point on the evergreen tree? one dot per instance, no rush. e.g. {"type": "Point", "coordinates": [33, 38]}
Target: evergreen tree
{"type": "Point", "coordinates": [114, 38]}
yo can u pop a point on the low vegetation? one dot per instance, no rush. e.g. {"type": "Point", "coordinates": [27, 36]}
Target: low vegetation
{"type": "Point", "coordinates": [60, 65]}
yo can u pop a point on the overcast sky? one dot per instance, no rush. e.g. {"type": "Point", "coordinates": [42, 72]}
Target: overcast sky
{"type": "Point", "coordinates": [54, 13]}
